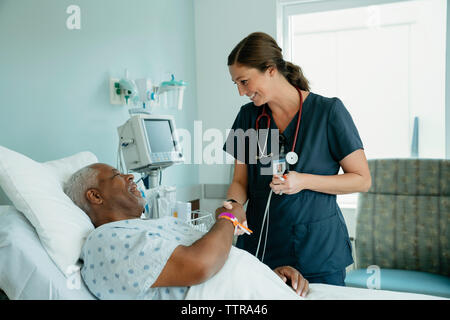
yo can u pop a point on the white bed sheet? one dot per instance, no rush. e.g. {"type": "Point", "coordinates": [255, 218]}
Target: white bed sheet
{"type": "Point", "coordinates": [26, 270]}
{"type": "Point", "coordinates": [253, 280]}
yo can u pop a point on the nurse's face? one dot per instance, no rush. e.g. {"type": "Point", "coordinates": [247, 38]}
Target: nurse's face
{"type": "Point", "coordinates": [252, 82]}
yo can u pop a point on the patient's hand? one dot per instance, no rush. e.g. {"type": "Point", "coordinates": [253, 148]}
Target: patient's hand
{"type": "Point", "coordinates": [235, 208]}
{"type": "Point", "coordinates": [298, 283]}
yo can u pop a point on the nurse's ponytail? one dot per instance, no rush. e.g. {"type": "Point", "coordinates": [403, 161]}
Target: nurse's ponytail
{"type": "Point", "coordinates": [294, 75]}
{"type": "Point", "coordinates": [259, 50]}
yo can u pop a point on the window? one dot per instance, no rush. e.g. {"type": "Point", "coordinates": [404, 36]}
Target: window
{"type": "Point", "coordinates": [384, 60]}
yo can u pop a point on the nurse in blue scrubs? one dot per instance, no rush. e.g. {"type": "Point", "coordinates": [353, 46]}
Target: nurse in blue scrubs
{"type": "Point", "coordinates": [307, 236]}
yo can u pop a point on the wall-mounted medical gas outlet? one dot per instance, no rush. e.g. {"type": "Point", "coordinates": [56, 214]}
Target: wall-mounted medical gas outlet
{"type": "Point", "coordinates": [115, 93]}
{"type": "Point", "coordinates": [143, 94]}
{"type": "Point", "coordinates": [125, 89]}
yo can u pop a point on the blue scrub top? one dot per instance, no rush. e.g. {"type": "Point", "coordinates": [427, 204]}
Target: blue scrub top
{"type": "Point", "coordinates": [306, 229]}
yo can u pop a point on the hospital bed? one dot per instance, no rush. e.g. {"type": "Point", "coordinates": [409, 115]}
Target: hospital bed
{"type": "Point", "coordinates": [27, 272]}
{"type": "Point", "coordinates": [29, 269]}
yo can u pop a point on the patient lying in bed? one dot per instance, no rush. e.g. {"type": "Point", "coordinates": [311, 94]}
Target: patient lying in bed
{"type": "Point", "coordinates": [129, 258]}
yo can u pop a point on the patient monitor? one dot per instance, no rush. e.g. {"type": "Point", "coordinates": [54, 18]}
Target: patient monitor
{"type": "Point", "coordinates": [149, 143]}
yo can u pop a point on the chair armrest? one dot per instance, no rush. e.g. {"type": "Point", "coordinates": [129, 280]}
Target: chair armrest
{"type": "Point", "coordinates": [353, 242]}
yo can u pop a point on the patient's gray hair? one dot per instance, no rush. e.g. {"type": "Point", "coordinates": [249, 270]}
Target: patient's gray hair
{"type": "Point", "coordinates": [78, 184]}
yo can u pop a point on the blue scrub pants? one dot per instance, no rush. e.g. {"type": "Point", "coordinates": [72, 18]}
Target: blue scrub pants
{"type": "Point", "coordinates": [335, 278]}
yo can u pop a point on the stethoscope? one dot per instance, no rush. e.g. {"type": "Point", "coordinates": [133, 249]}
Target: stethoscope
{"type": "Point", "coordinates": [291, 156]}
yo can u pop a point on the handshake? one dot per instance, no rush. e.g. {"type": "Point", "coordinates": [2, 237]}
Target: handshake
{"type": "Point", "coordinates": [236, 209]}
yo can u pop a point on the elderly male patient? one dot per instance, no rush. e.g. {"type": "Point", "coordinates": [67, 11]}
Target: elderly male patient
{"type": "Point", "coordinates": [126, 257]}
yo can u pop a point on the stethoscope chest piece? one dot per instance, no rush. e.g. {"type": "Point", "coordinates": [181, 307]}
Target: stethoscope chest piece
{"type": "Point", "coordinates": [291, 157]}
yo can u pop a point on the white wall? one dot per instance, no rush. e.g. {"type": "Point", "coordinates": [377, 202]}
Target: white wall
{"type": "Point", "coordinates": [219, 26]}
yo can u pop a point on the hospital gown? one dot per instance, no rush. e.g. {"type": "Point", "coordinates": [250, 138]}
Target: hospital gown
{"type": "Point", "coordinates": [122, 259]}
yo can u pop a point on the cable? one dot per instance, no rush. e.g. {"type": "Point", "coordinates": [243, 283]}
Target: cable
{"type": "Point", "coordinates": [267, 232]}
{"type": "Point", "coordinates": [266, 215]}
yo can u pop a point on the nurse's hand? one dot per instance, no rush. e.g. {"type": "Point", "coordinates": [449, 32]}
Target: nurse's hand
{"type": "Point", "coordinates": [292, 182]}
{"type": "Point", "coordinates": [298, 283]}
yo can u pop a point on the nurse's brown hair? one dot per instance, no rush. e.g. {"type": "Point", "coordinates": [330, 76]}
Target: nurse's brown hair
{"type": "Point", "coordinates": [259, 50]}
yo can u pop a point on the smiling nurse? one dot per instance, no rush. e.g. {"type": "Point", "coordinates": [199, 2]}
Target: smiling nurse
{"type": "Point", "coordinates": [307, 233]}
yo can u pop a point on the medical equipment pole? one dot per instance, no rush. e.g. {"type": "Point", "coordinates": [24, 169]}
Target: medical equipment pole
{"type": "Point", "coordinates": [153, 178]}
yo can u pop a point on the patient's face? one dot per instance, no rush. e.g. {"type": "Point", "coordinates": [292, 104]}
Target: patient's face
{"type": "Point", "coordinates": [119, 190]}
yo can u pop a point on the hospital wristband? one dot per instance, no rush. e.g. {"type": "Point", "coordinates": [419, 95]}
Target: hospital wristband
{"type": "Point", "coordinates": [235, 221]}
{"type": "Point", "coordinates": [230, 217]}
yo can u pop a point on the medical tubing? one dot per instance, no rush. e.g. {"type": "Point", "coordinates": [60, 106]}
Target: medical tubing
{"type": "Point", "coordinates": [298, 120]}
{"type": "Point", "coordinates": [267, 232]}
{"type": "Point", "coordinates": [262, 226]}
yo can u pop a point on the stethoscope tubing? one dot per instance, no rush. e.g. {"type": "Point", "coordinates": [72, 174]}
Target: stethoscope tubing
{"type": "Point", "coordinates": [264, 114]}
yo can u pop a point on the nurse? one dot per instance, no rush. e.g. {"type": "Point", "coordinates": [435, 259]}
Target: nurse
{"type": "Point", "coordinates": [307, 235]}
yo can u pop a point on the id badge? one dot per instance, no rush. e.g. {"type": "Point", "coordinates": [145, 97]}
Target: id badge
{"type": "Point", "coordinates": [279, 166]}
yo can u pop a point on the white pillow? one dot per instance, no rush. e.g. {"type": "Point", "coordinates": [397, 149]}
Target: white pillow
{"type": "Point", "coordinates": [26, 270]}
{"type": "Point", "coordinates": [36, 190]}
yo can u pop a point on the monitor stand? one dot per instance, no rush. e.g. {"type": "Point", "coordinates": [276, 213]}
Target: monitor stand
{"type": "Point", "coordinates": [151, 180]}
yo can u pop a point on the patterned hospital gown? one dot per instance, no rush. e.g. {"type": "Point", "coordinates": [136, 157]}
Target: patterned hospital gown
{"type": "Point", "coordinates": [122, 259]}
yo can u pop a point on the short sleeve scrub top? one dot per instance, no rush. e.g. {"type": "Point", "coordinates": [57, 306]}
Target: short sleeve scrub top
{"type": "Point", "coordinates": [306, 230]}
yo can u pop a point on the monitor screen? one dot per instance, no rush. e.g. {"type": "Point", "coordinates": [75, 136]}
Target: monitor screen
{"type": "Point", "coordinates": [159, 135]}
